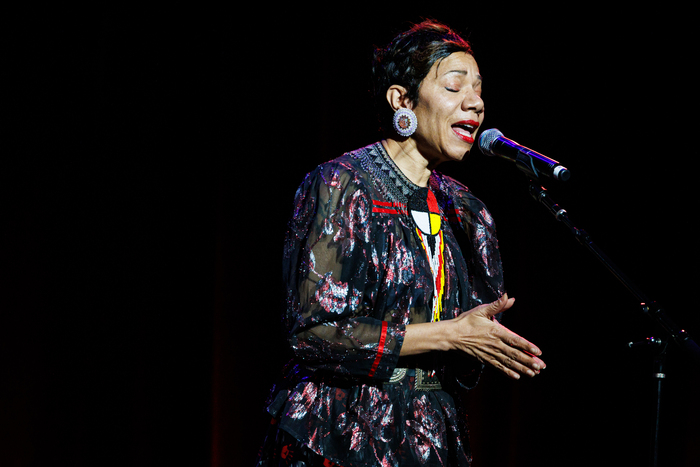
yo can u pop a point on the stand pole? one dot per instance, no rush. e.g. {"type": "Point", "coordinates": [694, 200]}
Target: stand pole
{"type": "Point", "coordinates": [659, 376]}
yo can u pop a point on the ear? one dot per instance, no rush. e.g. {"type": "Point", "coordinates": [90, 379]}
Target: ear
{"type": "Point", "coordinates": [397, 97]}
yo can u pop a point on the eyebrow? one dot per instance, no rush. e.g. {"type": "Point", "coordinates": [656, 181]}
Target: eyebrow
{"type": "Point", "coordinates": [465, 73]}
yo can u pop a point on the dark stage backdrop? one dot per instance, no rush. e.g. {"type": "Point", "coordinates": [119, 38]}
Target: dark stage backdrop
{"type": "Point", "coordinates": [152, 161]}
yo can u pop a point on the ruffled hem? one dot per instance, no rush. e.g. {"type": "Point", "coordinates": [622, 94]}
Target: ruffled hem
{"type": "Point", "coordinates": [389, 425]}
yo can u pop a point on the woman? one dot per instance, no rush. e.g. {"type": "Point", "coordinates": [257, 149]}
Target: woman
{"type": "Point", "coordinates": [394, 280]}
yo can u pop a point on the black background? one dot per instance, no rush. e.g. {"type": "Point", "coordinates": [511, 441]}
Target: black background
{"type": "Point", "coordinates": [151, 161]}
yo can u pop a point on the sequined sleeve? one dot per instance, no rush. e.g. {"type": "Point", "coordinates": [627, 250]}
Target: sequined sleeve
{"type": "Point", "coordinates": [327, 247]}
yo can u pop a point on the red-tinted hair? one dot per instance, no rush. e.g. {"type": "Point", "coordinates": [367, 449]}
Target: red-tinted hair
{"type": "Point", "coordinates": [407, 60]}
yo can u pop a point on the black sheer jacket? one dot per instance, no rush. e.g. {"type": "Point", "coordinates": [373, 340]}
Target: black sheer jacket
{"type": "Point", "coordinates": [358, 271]}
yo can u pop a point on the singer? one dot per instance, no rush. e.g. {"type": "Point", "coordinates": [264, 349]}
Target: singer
{"type": "Point", "coordinates": [394, 280]}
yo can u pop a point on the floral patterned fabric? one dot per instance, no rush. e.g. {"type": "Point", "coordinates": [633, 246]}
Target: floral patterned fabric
{"type": "Point", "coordinates": [357, 273]}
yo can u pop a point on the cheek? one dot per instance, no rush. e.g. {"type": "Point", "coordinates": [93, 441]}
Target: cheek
{"type": "Point", "coordinates": [435, 113]}
{"type": "Point", "coordinates": [426, 119]}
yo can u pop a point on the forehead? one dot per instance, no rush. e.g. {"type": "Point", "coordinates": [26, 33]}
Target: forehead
{"type": "Point", "coordinates": [458, 63]}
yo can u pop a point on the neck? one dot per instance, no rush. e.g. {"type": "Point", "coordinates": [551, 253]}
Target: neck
{"type": "Point", "coordinates": [412, 163]}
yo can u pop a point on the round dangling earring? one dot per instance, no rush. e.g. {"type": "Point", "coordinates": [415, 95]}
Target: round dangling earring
{"type": "Point", "coordinates": [405, 122]}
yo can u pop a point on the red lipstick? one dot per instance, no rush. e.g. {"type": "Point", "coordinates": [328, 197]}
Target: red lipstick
{"type": "Point", "coordinates": [465, 130]}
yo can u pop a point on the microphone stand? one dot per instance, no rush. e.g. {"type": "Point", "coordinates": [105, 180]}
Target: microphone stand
{"type": "Point", "coordinates": [648, 307]}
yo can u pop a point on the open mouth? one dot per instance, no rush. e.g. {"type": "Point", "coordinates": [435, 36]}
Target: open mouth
{"type": "Point", "coordinates": [466, 130]}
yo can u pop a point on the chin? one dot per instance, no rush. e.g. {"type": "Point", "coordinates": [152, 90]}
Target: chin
{"type": "Point", "coordinates": [457, 154]}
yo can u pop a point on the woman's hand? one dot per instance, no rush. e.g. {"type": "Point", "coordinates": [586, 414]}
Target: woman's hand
{"type": "Point", "coordinates": [476, 333]}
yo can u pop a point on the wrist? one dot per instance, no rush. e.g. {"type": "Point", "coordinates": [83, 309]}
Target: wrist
{"type": "Point", "coordinates": [447, 335]}
{"type": "Point", "coordinates": [428, 337]}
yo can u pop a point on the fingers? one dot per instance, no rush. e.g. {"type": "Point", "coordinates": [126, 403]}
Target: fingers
{"type": "Point", "coordinates": [489, 310]}
{"type": "Point", "coordinates": [515, 341]}
{"type": "Point", "coordinates": [516, 356]}
{"type": "Point", "coordinates": [516, 365]}
{"type": "Point", "coordinates": [512, 354]}
{"type": "Point", "coordinates": [499, 306]}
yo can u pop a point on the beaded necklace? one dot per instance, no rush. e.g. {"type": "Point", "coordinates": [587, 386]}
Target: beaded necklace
{"type": "Point", "coordinates": [424, 210]}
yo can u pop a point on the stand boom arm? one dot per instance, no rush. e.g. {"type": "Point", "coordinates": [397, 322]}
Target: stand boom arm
{"type": "Point", "coordinates": [650, 308]}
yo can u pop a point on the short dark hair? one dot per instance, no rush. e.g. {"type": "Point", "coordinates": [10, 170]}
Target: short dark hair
{"type": "Point", "coordinates": [407, 60]}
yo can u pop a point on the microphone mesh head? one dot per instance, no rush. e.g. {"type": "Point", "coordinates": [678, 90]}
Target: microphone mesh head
{"type": "Point", "coordinates": [487, 139]}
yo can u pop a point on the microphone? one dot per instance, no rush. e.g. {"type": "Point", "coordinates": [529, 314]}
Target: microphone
{"type": "Point", "coordinates": [493, 143]}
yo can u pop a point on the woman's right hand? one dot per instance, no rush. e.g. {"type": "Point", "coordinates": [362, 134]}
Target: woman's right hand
{"type": "Point", "coordinates": [476, 333]}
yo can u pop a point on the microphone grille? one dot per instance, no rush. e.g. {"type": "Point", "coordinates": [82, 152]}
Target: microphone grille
{"type": "Point", "coordinates": [487, 139]}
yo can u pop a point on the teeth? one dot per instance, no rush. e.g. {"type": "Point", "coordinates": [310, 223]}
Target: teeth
{"type": "Point", "coordinates": [467, 128]}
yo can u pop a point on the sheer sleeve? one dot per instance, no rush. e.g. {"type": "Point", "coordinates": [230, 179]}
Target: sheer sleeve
{"type": "Point", "coordinates": [328, 317]}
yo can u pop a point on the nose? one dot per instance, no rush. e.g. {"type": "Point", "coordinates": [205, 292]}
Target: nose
{"type": "Point", "coordinates": [472, 101]}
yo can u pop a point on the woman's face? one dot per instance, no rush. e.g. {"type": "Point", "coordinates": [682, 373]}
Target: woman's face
{"type": "Point", "coordinates": [449, 108]}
